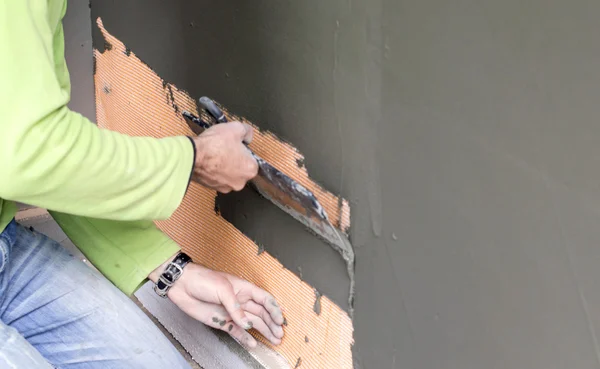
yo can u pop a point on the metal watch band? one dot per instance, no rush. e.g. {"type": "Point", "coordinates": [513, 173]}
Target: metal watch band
{"type": "Point", "coordinates": [171, 273]}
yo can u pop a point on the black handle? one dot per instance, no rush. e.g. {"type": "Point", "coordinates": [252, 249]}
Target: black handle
{"type": "Point", "coordinates": [212, 109]}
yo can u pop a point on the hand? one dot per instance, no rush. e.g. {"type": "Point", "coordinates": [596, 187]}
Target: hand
{"type": "Point", "coordinates": [225, 302]}
{"type": "Point", "coordinates": [223, 162]}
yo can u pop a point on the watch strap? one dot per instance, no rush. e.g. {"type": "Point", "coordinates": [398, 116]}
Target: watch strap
{"type": "Point", "coordinates": [172, 272]}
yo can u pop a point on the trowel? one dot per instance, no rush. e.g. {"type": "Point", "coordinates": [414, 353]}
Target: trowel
{"type": "Point", "coordinates": [285, 192]}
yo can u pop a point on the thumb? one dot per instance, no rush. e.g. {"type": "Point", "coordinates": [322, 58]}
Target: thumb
{"type": "Point", "coordinates": [233, 307]}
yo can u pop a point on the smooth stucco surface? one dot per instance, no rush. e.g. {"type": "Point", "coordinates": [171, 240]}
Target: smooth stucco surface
{"type": "Point", "coordinates": [465, 135]}
{"type": "Point", "coordinates": [78, 54]}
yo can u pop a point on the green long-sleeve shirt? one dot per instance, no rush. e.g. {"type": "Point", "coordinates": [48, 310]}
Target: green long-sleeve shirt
{"type": "Point", "coordinates": [103, 188]}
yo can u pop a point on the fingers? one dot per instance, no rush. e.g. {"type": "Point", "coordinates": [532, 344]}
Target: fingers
{"type": "Point", "coordinates": [267, 300]}
{"type": "Point", "coordinates": [261, 327]}
{"type": "Point", "coordinates": [217, 317]}
{"type": "Point", "coordinates": [240, 334]}
{"type": "Point", "coordinates": [252, 165]}
{"type": "Point", "coordinates": [232, 305]}
{"type": "Point", "coordinates": [248, 169]}
{"type": "Point", "coordinates": [222, 162]}
{"type": "Point", "coordinates": [249, 134]}
{"type": "Point", "coordinates": [214, 316]}
{"type": "Point", "coordinates": [241, 131]}
{"type": "Point", "coordinates": [247, 165]}
{"type": "Point", "coordinates": [257, 310]}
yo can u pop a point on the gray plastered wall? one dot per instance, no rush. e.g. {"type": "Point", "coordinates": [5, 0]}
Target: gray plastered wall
{"type": "Point", "coordinates": [465, 134]}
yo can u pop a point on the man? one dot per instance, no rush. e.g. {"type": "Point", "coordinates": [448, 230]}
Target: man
{"type": "Point", "coordinates": [104, 189]}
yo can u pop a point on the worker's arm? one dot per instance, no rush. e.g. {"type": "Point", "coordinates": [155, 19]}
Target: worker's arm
{"type": "Point", "coordinates": [53, 157]}
{"type": "Point", "coordinates": [127, 251]}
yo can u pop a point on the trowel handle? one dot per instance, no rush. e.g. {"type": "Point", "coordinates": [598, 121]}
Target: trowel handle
{"type": "Point", "coordinates": [212, 109]}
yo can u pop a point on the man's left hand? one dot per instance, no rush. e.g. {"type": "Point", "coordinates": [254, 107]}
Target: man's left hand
{"type": "Point", "coordinates": [226, 302]}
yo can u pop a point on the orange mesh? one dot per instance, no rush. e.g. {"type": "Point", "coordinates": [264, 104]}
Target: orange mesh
{"type": "Point", "coordinates": [132, 99]}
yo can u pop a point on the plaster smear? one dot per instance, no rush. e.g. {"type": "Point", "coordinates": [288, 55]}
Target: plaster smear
{"type": "Point", "coordinates": [132, 99]}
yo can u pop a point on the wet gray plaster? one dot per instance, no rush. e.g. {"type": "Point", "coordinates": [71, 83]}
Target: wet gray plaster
{"type": "Point", "coordinates": [78, 54]}
{"type": "Point", "coordinates": [260, 220]}
{"type": "Point", "coordinates": [466, 129]}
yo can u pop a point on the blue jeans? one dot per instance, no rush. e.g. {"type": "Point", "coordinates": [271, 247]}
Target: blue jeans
{"type": "Point", "coordinates": [56, 312]}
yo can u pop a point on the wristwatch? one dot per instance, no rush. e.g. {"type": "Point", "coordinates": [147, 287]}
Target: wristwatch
{"type": "Point", "coordinates": [171, 273]}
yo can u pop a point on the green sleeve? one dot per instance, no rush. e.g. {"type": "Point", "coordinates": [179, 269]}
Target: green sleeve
{"type": "Point", "coordinates": [124, 251]}
{"type": "Point", "coordinates": [55, 158]}
{"type": "Point", "coordinates": [112, 185]}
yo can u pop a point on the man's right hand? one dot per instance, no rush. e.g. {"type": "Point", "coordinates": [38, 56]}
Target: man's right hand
{"type": "Point", "coordinates": [223, 162]}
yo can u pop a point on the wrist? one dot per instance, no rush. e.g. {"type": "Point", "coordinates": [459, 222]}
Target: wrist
{"type": "Point", "coordinates": [155, 274]}
{"type": "Point", "coordinates": [194, 152]}
{"type": "Point", "coordinates": [199, 153]}
{"type": "Point", "coordinates": [171, 273]}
